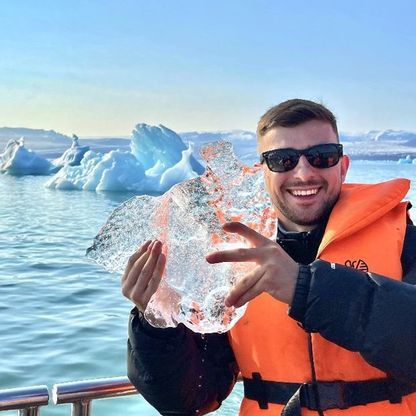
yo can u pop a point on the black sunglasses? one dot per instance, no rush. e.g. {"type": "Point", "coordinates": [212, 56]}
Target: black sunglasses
{"type": "Point", "coordinates": [321, 156]}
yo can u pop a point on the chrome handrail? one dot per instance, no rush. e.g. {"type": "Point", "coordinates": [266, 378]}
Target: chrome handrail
{"type": "Point", "coordinates": [81, 393]}
{"type": "Point", "coordinates": [26, 400]}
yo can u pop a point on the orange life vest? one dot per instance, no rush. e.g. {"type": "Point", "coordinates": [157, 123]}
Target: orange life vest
{"type": "Point", "coordinates": [366, 229]}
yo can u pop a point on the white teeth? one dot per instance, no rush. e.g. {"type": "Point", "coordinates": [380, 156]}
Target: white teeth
{"type": "Point", "coordinates": [304, 192]}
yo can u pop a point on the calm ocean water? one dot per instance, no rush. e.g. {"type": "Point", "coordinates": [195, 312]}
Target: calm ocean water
{"type": "Point", "coordinates": [62, 317]}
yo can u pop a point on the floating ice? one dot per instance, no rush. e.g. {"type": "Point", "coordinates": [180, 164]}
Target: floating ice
{"type": "Point", "coordinates": [158, 160]}
{"type": "Point", "coordinates": [73, 155]}
{"type": "Point", "coordinates": [19, 161]}
{"type": "Point", "coordinates": [188, 220]}
{"type": "Point", "coordinates": [159, 146]}
{"type": "Point", "coordinates": [115, 171]}
{"type": "Point", "coordinates": [405, 160]}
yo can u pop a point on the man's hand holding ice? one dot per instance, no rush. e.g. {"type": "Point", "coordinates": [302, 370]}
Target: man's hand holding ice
{"type": "Point", "coordinates": [143, 273]}
{"type": "Point", "coordinates": [275, 272]}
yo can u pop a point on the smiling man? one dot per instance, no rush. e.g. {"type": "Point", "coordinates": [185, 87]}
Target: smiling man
{"type": "Point", "coordinates": [330, 326]}
{"type": "Point", "coordinates": [303, 196]}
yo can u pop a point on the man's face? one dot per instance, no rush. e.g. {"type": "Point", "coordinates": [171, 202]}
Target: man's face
{"type": "Point", "coordinates": [304, 195]}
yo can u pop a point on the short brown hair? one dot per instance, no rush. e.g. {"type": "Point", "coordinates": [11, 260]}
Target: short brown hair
{"type": "Point", "coordinates": [293, 112]}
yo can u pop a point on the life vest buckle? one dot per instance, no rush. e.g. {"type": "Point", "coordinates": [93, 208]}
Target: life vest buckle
{"type": "Point", "coordinates": [327, 395]}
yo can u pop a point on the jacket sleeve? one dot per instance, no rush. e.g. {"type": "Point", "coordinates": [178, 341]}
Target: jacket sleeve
{"type": "Point", "coordinates": [362, 312]}
{"type": "Point", "coordinates": [178, 371]}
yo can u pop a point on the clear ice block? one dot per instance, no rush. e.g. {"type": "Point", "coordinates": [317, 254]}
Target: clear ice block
{"type": "Point", "coordinates": [188, 219]}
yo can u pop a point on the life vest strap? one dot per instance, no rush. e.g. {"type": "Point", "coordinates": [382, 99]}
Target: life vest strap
{"type": "Point", "coordinates": [324, 395]}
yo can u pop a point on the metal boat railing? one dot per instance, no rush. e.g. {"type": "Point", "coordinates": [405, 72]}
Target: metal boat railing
{"type": "Point", "coordinates": [28, 400]}
{"type": "Point", "coordinates": [80, 394]}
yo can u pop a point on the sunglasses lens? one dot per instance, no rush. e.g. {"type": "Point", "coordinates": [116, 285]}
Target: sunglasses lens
{"type": "Point", "coordinates": [282, 160]}
{"type": "Point", "coordinates": [323, 156]}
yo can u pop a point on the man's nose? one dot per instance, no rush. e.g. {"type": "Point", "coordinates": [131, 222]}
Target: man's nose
{"type": "Point", "coordinates": [304, 170]}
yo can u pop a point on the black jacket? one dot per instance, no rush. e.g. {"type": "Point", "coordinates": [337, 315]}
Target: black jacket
{"type": "Point", "coordinates": [180, 372]}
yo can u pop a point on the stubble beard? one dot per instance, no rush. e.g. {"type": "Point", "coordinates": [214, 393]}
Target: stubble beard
{"type": "Point", "coordinates": [303, 219]}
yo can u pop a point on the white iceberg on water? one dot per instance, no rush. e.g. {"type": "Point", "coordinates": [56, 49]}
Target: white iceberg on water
{"type": "Point", "coordinates": [73, 155]}
{"type": "Point", "coordinates": [17, 160]}
{"type": "Point", "coordinates": [158, 159]}
{"type": "Point", "coordinates": [405, 160]}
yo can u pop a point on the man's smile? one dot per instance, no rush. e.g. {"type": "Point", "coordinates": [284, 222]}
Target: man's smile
{"type": "Point", "coordinates": [304, 192]}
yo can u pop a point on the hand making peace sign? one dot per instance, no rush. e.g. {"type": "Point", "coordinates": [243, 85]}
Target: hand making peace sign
{"type": "Point", "coordinates": [275, 271]}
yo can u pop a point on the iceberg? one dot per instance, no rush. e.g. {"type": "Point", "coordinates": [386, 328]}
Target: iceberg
{"type": "Point", "coordinates": [115, 171]}
{"type": "Point", "coordinates": [17, 160]}
{"type": "Point", "coordinates": [73, 155]}
{"type": "Point", "coordinates": [405, 160]}
{"type": "Point", "coordinates": [158, 145]}
{"type": "Point", "coordinates": [188, 219]}
{"type": "Point", "coordinates": [158, 159]}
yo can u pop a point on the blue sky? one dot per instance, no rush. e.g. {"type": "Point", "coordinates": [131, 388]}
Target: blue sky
{"type": "Point", "coordinates": [99, 67]}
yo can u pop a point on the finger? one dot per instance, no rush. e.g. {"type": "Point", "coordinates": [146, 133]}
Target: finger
{"type": "Point", "coordinates": [238, 254]}
{"type": "Point", "coordinates": [250, 294]}
{"type": "Point", "coordinates": [133, 258]}
{"type": "Point", "coordinates": [244, 286]}
{"type": "Point", "coordinates": [248, 233]}
{"type": "Point", "coordinates": [148, 268]}
{"type": "Point", "coordinates": [156, 278]}
{"type": "Point", "coordinates": [134, 274]}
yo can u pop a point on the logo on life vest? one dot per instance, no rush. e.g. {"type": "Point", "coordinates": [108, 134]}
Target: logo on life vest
{"type": "Point", "coordinates": [357, 264]}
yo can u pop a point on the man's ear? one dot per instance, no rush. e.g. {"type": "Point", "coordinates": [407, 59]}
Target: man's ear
{"type": "Point", "coordinates": [345, 163]}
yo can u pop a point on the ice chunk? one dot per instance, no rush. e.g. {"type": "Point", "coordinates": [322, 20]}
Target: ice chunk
{"type": "Point", "coordinates": [153, 145]}
{"type": "Point", "coordinates": [73, 155]}
{"type": "Point", "coordinates": [188, 219]}
{"type": "Point", "coordinates": [17, 160]}
{"type": "Point", "coordinates": [158, 159]}
{"type": "Point", "coordinates": [116, 170]}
